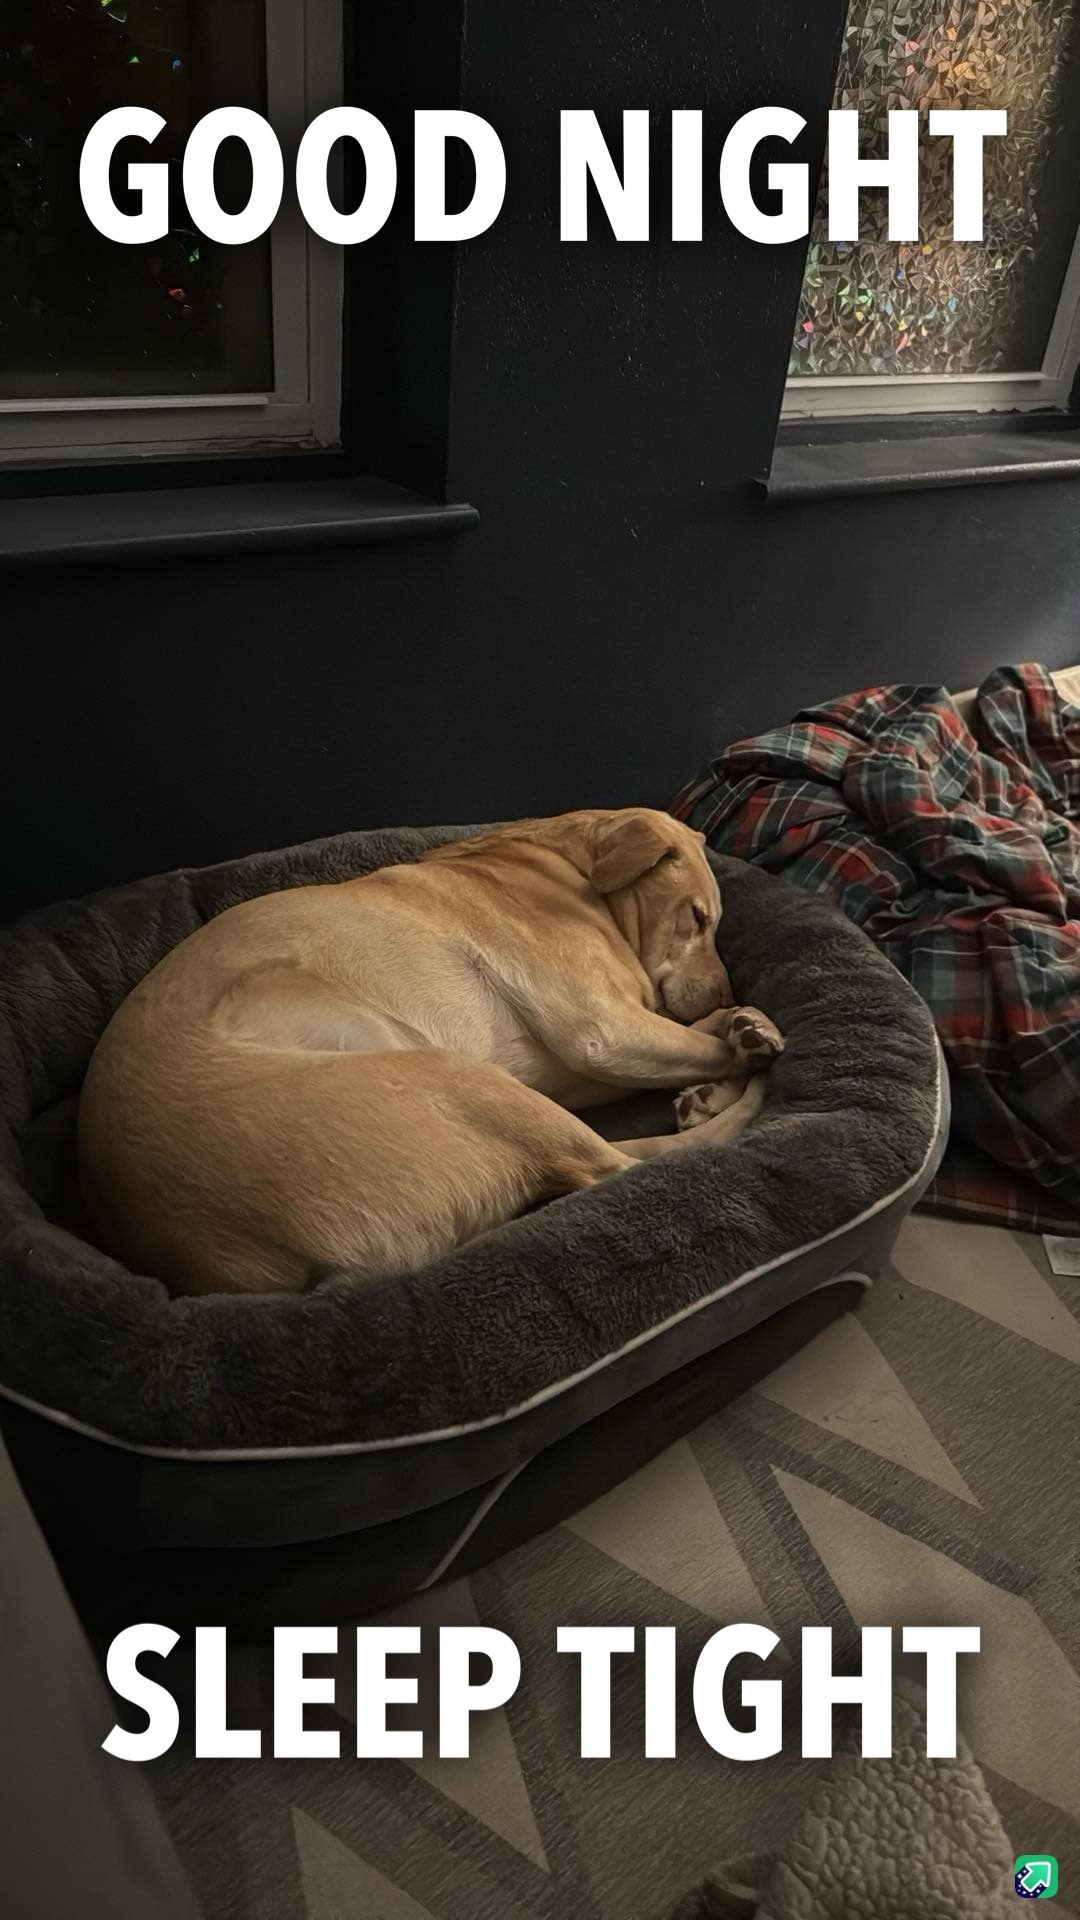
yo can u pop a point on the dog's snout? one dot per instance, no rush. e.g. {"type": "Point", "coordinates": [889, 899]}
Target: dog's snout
{"type": "Point", "coordinates": [699, 994]}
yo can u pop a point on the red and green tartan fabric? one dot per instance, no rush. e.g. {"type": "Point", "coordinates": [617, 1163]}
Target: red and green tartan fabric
{"type": "Point", "coordinates": [956, 846]}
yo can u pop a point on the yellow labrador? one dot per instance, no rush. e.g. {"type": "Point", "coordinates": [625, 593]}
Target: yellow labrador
{"type": "Point", "coordinates": [370, 1073]}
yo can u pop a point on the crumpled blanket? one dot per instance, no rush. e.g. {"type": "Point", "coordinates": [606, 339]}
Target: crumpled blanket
{"type": "Point", "coordinates": [901, 1839]}
{"type": "Point", "coordinates": [955, 844]}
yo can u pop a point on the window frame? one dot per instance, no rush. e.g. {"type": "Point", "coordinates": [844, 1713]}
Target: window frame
{"type": "Point", "coordinates": [1049, 387]}
{"type": "Point", "coordinates": [305, 74]}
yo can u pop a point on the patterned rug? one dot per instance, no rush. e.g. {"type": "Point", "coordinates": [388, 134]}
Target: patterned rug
{"type": "Point", "coordinates": [918, 1464]}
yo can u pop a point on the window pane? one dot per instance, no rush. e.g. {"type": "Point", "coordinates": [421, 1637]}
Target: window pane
{"type": "Point", "coordinates": [938, 306]}
{"type": "Point", "coordinates": [82, 315]}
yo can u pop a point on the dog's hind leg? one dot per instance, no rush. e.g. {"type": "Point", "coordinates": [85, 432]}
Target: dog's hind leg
{"type": "Point", "coordinates": [554, 1152]}
{"type": "Point", "coordinates": [716, 1116]}
{"type": "Point", "coordinates": [380, 1163]}
{"type": "Point", "coordinates": [565, 1154]}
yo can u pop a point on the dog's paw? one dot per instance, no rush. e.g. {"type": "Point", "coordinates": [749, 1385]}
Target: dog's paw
{"type": "Point", "coordinates": [754, 1040]}
{"type": "Point", "coordinates": [698, 1104]}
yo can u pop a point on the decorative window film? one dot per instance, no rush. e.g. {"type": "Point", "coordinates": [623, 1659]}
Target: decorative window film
{"type": "Point", "coordinates": [937, 306]}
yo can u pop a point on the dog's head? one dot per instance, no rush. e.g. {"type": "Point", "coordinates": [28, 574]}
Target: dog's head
{"type": "Point", "coordinates": [662, 894]}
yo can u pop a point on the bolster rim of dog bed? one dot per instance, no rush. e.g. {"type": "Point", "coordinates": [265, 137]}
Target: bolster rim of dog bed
{"type": "Point", "coordinates": [381, 1398]}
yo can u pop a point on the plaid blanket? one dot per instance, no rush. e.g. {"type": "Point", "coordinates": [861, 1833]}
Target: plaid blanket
{"type": "Point", "coordinates": [956, 846]}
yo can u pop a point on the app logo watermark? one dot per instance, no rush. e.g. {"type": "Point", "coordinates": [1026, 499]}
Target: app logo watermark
{"type": "Point", "coordinates": [1036, 1876]}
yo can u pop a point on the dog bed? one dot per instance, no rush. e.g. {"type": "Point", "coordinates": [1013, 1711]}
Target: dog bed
{"type": "Point", "coordinates": [320, 1455]}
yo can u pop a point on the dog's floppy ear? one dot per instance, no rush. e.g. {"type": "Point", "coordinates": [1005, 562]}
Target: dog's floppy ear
{"type": "Point", "coordinates": [627, 845]}
{"type": "Point", "coordinates": [610, 849]}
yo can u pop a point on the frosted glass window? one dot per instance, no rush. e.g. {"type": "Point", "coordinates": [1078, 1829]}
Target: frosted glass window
{"type": "Point", "coordinates": [938, 306]}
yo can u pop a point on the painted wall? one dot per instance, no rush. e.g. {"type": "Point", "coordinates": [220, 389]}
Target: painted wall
{"type": "Point", "coordinates": [628, 601]}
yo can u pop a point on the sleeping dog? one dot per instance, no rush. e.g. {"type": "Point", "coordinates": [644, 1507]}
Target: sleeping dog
{"type": "Point", "coordinates": [368, 1074]}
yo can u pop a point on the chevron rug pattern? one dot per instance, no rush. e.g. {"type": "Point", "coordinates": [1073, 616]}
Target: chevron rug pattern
{"type": "Point", "coordinates": [917, 1464]}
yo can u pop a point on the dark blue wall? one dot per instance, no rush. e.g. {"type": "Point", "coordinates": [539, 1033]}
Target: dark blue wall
{"type": "Point", "coordinates": [628, 600]}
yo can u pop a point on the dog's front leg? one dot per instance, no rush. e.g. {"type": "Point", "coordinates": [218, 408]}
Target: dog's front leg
{"type": "Point", "coordinates": [751, 1029]}
{"type": "Point", "coordinates": [631, 1047]}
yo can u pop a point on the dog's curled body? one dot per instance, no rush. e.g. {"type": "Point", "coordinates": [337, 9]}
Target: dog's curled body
{"type": "Point", "coordinates": [368, 1074]}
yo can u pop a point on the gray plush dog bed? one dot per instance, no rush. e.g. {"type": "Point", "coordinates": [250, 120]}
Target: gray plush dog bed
{"type": "Point", "coordinates": [334, 1451]}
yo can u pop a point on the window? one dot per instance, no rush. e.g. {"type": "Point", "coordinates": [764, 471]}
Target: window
{"type": "Point", "coordinates": [181, 346]}
{"type": "Point", "coordinates": [939, 325]}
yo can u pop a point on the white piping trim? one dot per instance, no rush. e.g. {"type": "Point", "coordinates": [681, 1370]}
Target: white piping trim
{"type": "Point", "coordinates": [538, 1399]}
{"type": "Point", "coordinates": [489, 1500]}
{"type": "Point", "coordinates": [837, 1280]}
{"type": "Point", "coordinates": [495, 1493]}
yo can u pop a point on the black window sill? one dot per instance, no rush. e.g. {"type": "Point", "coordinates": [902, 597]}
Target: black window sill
{"type": "Point", "coordinates": [880, 457]}
{"type": "Point", "coordinates": [251, 518]}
